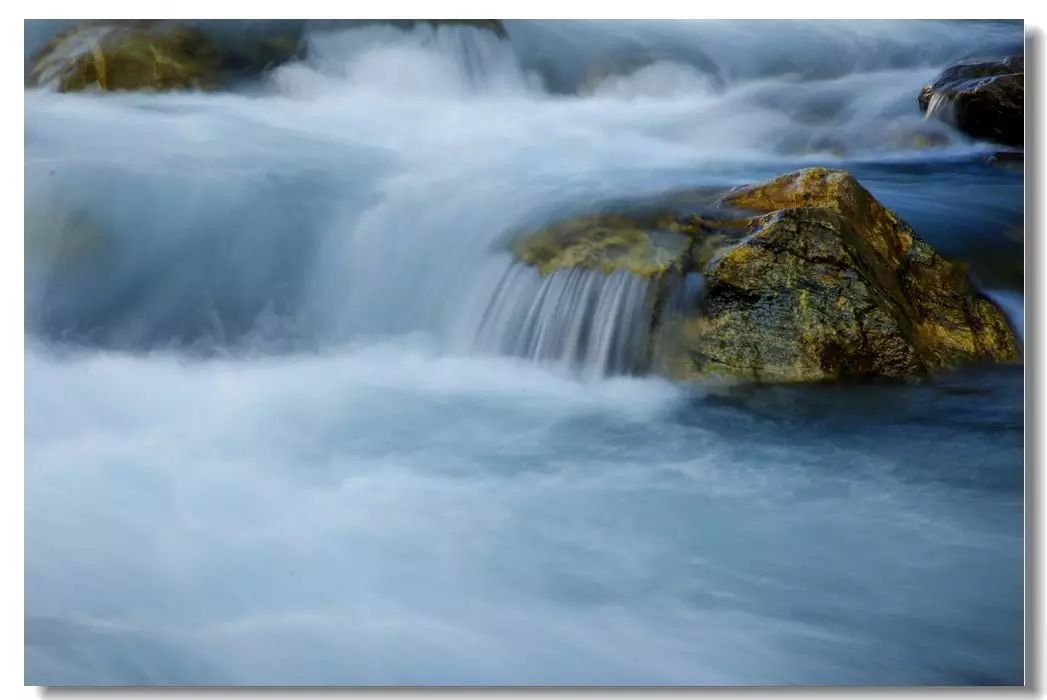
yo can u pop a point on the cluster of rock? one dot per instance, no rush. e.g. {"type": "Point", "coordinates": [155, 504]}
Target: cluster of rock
{"type": "Point", "coordinates": [807, 277]}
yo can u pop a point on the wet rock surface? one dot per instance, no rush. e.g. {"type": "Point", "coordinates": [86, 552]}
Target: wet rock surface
{"type": "Point", "coordinates": [127, 56]}
{"type": "Point", "coordinates": [984, 99]}
{"type": "Point", "coordinates": [805, 278]}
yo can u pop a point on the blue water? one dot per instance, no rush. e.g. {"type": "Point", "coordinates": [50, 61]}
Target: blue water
{"type": "Point", "coordinates": [264, 445]}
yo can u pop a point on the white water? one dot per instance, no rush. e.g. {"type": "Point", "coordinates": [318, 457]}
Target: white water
{"type": "Point", "coordinates": [389, 515]}
{"type": "Point", "coordinates": [293, 415]}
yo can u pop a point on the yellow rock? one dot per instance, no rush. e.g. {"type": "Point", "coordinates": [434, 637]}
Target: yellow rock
{"type": "Point", "coordinates": [127, 57]}
{"type": "Point", "coordinates": [605, 242]}
{"type": "Point", "coordinates": [813, 280]}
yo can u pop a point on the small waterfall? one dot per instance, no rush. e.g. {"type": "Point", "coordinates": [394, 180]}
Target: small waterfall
{"type": "Point", "coordinates": [443, 61]}
{"type": "Point", "coordinates": [584, 319]}
{"type": "Point", "coordinates": [940, 107]}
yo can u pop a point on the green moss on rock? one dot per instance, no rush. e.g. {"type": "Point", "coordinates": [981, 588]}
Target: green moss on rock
{"type": "Point", "coordinates": [832, 284]}
{"type": "Point", "coordinates": [605, 242]}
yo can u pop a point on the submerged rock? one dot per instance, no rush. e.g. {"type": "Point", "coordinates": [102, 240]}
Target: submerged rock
{"type": "Point", "coordinates": [127, 56]}
{"type": "Point", "coordinates": [984, 99]}
{"type": "Point", "coordinates": [823, 282]}
{"type": "Point", "coordinates": [249, 48]}
{"type": "Point", "coordinates": [1007, 159]}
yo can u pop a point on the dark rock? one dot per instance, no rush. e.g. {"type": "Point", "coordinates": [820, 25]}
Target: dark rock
{"type": "Point", "coordinates": [984, 99]}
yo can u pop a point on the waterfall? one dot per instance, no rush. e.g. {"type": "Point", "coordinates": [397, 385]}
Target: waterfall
{"type": "Point", "coordinates": [425, 60]}
{"type": "Point", "coordinates": [581, 318]}
{"type": "Point", "coordinates": [940, 106]}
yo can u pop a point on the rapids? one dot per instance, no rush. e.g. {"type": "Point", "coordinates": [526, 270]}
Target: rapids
{"type": "Point", "coordinates": [294, 415]}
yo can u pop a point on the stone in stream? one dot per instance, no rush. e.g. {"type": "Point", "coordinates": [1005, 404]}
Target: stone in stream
{"type": "Point", "coordinates": [129, 55]}
{"type": "Point", "coordinates": [984, 99]}
{"type": "Point", "coordinates": [805, 278]}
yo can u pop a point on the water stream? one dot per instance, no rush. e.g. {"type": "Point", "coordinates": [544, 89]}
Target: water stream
{"type": "Point", "coordinates": [294, 414]}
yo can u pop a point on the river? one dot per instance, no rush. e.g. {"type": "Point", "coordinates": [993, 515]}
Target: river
{"type": "Point", "coordinates": [273, 437]}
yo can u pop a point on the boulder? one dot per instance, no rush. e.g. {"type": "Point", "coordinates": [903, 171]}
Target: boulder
{"type": "Point", "coordinates": [127, 56]}
{"type": "Point", "coordinates": [984, 99]}
{"type": "Point", "coordinates": [806, 278]}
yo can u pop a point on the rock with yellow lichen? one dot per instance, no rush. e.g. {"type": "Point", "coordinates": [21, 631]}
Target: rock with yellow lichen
{"type": "Point", "coordinates": [807, 278]}
{"type": "Point", "coordinates": [605, 242]}
{"type": "Point", "coordinates": [127, 56]}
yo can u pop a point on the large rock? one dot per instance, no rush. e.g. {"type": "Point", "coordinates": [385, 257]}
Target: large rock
{"type": "Point", "coordinates": [127, 56]}
{"type": "Point", "coordinates": [806, 278]}
{"type": "Point", "coordinates": [984, 99]}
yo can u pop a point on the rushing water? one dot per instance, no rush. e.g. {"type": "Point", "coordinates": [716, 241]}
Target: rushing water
{"type": "Point", "coordinates": [294, 415]}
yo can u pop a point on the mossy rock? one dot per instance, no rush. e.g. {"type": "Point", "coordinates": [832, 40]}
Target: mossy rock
{"type": "Point", "coordinates": [829, 283]}
{"type": "Point", "coordinates": [807, 278]}
{"type": "Point", "coordinates": [127, 56]}
{"type": "Point", "coordinates": [607, 242]}
{"type": "Point", "coordinates": [984, 99]}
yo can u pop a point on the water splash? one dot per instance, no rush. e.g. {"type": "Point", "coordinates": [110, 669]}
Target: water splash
{"type": "Point", "coordinates": [441, 61]}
